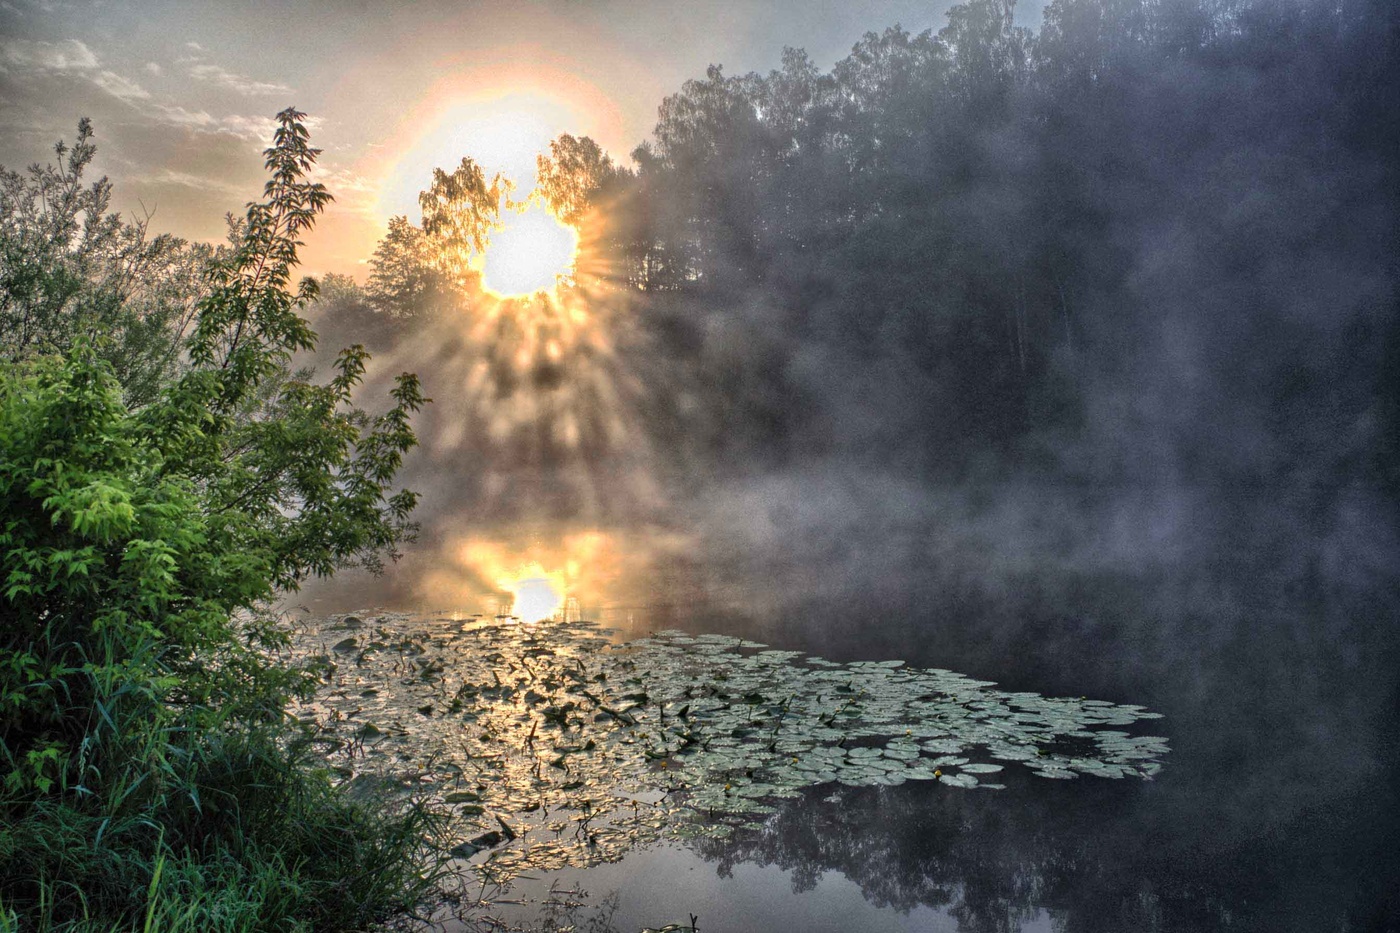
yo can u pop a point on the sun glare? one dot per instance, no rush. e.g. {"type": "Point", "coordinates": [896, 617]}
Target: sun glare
{"type": "Point", "coordinates": [529, 255]}
{"type": "Point", "coordinates": [534, 582]}
{"type": "Point", "coordinates": [536, 597]}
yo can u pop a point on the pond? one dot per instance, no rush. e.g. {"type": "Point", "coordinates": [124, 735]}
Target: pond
{"type": "Point", "coordinates": [962, 721]}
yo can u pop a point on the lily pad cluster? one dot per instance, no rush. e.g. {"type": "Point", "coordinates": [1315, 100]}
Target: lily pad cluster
{"type": "Point", "coordinates": [557, 746]}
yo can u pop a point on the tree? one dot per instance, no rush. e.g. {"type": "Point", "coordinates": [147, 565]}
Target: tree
{"type": "Point", "coordinates": [138, 552]}
{"type": "Point", "coordinates": [575, 176]}
{"type": "Point", "coordinates": [71, 269]}
{"type": "Point", "coordinates": [460, 212]}
{"type": "Point", "coordinates": [404, 279]}
{"type": "Point", "coordinates": [989, 55]}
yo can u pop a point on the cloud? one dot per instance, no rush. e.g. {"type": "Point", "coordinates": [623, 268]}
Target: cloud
{"type": "Point", "coordinates": [175, 115]}
{"type": "Point", "coordinates": [235, 82]}
{"type": "Point", "coordinates": [69, 55]}
{"type": "Point", "coordinates": [120, 88]}
{"type": "Point", "coordinates": [256, 128]}
{"type": "Point", "coordinates": [171, 177]}
{"type": "Point", "coordinates": [73, 59]}
{"type": "Point", "coordinates": [354, 193]}
{"type": "Point", "coordinates": [343, 179]}
{"type": "Point", "coordinates": [253, 128]}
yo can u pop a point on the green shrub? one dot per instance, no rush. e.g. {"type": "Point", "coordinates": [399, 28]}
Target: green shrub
{"type": "Point", "coordinates": [148, 774]}
{"type": "Point", "coordinates": [70, 269]}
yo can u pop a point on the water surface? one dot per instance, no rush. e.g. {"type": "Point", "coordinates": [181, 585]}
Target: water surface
{"type": "Point", "coordinates": [1261, 625]}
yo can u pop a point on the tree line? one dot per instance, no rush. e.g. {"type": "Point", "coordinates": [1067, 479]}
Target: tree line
{"type": "Point", "coordinates": [1153, 239]}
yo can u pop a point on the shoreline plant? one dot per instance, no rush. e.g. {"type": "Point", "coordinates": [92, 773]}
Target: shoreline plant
{"type": "Point", "coordinates": [149, 775]}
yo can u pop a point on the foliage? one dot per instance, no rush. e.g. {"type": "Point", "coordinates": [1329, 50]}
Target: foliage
{"type": "Point", "coordinates": [248, 836]}
{"type": "Point", "coordinates": [575, 176]}
{"type": "Point", "coordinates": [142, 740]}
{"type": "Point", "coordinates": [70, 269]}
{"type": "Point", "coordinates": [460, 211]}
{"type": "Point", "coordinates": [404, 279]}
{"type": "Point", "coordinates": [1043, 251]}
{"type": "Point", "coordinates": [419, 269]}
{"type": "Point", "coordinates": [996, 238]}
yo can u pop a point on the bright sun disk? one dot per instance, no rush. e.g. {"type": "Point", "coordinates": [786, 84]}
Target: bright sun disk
{"type": "Point", "coordinates": [535, 600]}
{"type": "Point", "coordinates": [529, 255]}
{"type": "Point", "coordinates": [536, 595]}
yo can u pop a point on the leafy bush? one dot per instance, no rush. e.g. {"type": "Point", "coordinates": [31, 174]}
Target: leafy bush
{"type": "Point", "coordinates": [71, 270]}
{"type": "Point", "coordinates": [145, 763]}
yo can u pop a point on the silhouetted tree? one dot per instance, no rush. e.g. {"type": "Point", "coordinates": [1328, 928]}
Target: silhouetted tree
{"type": "Point", "coordinates": [404, 278]}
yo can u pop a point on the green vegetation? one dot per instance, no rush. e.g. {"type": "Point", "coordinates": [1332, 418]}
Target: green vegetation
{"type": "Point", "coordinates": [70, 270]}
{"type": "Point", "coordinates": [149, 777]}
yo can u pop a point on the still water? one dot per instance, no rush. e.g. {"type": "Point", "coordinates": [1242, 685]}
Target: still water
{"type": "Point", "coordinates": [1262, 625]}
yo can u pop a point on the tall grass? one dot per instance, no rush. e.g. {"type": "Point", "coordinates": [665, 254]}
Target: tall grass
{"type": "Point", "coordinates": [249, 837]}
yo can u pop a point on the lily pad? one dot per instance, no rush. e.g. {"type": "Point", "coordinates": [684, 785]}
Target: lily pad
{"type": "Point", "coordinates": [579, 747]}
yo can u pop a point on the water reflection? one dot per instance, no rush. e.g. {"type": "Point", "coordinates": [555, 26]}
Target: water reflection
{"type": "Point", "coordinates": [632, 580]}
{"type": "Point", "coordinates": [1266, 630]}
{"type": "Point", "coordinates": [1091, 858]}
{"type": "Point", "coordinates": [1094, 857]}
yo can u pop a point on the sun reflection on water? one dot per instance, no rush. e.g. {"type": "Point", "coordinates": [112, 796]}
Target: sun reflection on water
{"type": "Point", "coordinates": [533, 581]}
{"type": "Point", "coordinates": [536, 595]}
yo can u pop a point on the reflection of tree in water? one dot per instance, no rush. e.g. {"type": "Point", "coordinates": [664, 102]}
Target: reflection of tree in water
{"type": "Point", "coordinates": [1260, 631]}
{"type": "Point", "coordinates": [1097, 857]}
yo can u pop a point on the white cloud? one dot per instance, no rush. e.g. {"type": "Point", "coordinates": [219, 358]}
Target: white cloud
{"type": "Point", "coordinates": [176, 115]}
{"type": "Point", "coordinates": [121, 88]}
{"type": "Point", "coordinates": [194, 45]}
{"type": "Point", "coordinates": [354, 193]}
{"type": "Point", "coordinates": [235, 82]}
{"type": "Point", "coordinates": [171, 177]}
{"type": "Point", "coordinates": [154, 68]}
{"type": "Point", "coordinates": [344, 179]}
{"type": "Point", "coordinates": [256, 129]}
{"type": "Point", "coordinates": [69, 55]}
{"type": "Point", "coordinates": [252, 128]}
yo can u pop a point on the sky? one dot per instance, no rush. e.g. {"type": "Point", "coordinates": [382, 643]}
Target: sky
{"type": "Point", "coordinates": [182, 93]}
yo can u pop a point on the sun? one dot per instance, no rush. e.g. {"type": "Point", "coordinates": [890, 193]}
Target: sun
{"type": "Point", "coordinates": [530, 254]}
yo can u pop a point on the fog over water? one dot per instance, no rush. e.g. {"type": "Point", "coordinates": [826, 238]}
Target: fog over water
{"type": "Point", "coordinates": [1101, 401]}
{"type": "Point", "coordinates": [1259, 617]}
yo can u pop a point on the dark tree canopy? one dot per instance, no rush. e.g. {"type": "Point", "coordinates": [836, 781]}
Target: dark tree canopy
{"type": "Point", "coordinates": [1153, 240]}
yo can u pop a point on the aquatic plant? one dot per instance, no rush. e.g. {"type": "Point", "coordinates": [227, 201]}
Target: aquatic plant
{"type": "Point", "coordinates": [557, 746]}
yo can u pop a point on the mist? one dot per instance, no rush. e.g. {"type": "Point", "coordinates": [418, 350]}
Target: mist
{"type": "Point", "coordinates": [1065, 359]}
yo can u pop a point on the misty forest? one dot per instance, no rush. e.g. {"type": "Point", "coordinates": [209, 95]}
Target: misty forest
{"type": "Point", "coordinates": [955, 488]}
